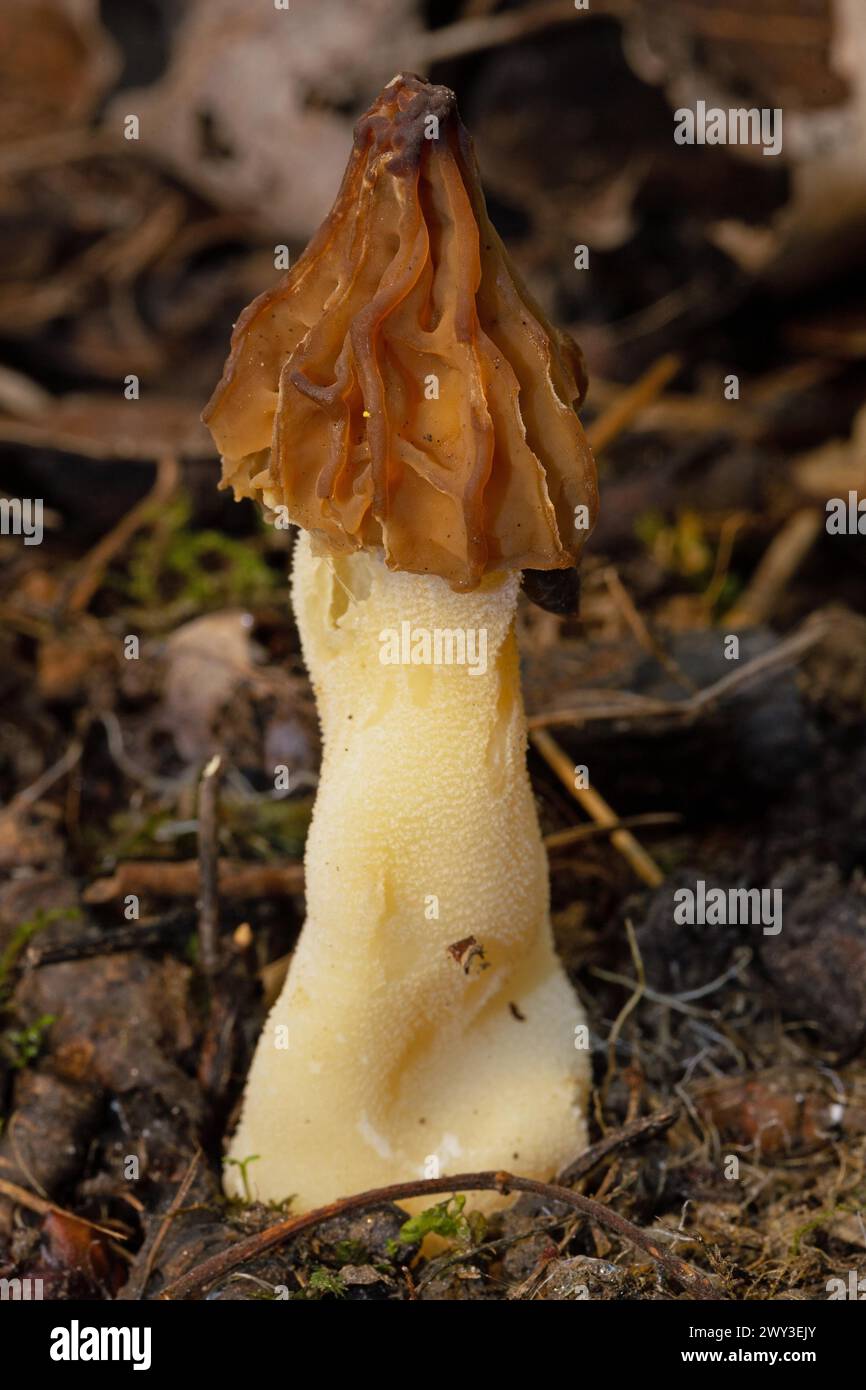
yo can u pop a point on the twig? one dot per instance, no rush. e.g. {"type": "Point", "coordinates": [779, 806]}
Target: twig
{"type": "Point", "coordinates": [182, 879]}
{"type": "Point", "coordinates": [680, 1002]}
{"type": "Point", "coordinates": [195, 1280]}
{"type": "Point", "coordinates": [650, 1127]}
{"type": "Point", "coordinates": [163, 786]}
{"type": "Point", "coordinates": [177, 1201]}
{"type": "Point", "coordinates": [104, 439]}
{"type": "Point", "coordinates": [60, 147]}
{"type": "Point", "coordinates": [595, 806]}
{"type": "Point", "coordinates": [628, 1007]}
{"type": "Point", "coordinates": [20, 395]}
{"type": "Point", "coordinates": [208, 851]}
{"type": "Point", "coordinates": [602, 705]}
{"type": "Point", "coordinates": [812, 631]}
{"type": "Point", "coordinates": [576, 834]}
{"type": "Point", "coordinates": [724, 551]}
{"type": "Point", "coordinates": [132, 936]}
{"type": "Point", "coordinates": [780, 561]}
{"type": "Point", "coordinates": [676, 413]}
{"type": "Point", "coordinates": [30, 795]}
{"type": "Point", "coordinates": [24, 1198]}
{"type": "Point", "coordinates": [624, 601]}
{"type": "Point", "coordinates": [625, 409]}
{"type": "Point", "coordinates": [476, 33]}
{"type": "Point", "coordinates": [625, 705]}
{"type": "Point", "coordinates": [95, 563]}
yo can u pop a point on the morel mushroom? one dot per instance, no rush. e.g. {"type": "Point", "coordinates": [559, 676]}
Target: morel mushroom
{"type": "Point", "coordinates": [402, 397]}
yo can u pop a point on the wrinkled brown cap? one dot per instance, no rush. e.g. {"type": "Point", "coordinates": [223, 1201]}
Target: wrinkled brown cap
{"type": "Point", "coordinates": [399, 387]}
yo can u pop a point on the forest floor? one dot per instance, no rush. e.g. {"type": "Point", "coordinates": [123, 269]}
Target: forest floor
{"type": "Point", "coordinates": [151, 629]}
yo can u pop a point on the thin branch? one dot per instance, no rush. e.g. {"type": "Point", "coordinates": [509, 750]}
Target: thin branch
{"type": "Point", "coordinates": [650, 1127]}
{"type": "Point", "coordinates": [577, 834]}
{"type": "Point", "coordinates": [628, 406]}
{"type": "Point", "coordinates": [163, 786]}
{"type": "Point", "coordinates": [181, 878]}
{"type": "Point", "coordinates": [23, 1197]}
{"type": "Point", "coordinates": [91, 943]}
{"type": "Point", "coordinates": [59, 147]}
{"type": "Point", "coordinates": [30, 795]}
{"type": "Point", "coordinates": [626, 705]}
{"type": "Point", "coordinates": [680, 1002]}
{"type": "Point", "coordinates": [779, 563]}
{"type": "Point", "coordinates": [477, 33]}
{"type": "Point", "coordinates": [597, 808]}
{"type": "Point", "coordinates": [693, 1281]}
{"type": "Point", "coordinates": [630, 1004]}
{"type": "Point", "coordinates": [626, 604]}
{"type": "Point", "coordinates": [93, 566]}
{"type": "Point", "coordinates": [208, 851]}
{"type": "Point", "coordinates": [177, 1201]}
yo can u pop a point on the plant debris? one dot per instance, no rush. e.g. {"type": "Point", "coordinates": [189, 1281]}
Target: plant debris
{"type": "Point", "coordinates": [150, 632]}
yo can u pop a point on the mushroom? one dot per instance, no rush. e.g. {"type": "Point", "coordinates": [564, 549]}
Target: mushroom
{"type": "Point", "coordinates": [403, 398]}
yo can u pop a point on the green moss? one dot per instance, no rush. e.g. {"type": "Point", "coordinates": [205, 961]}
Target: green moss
{"type": "Point", "coordinates": [350, 1252]}
{"type": "Point", "coordinates": [25, 932]}
{"type": "Point", "coordinates": [263, 828]}
{"type": "Point", "coordinates": [323, 1283]}
{"type": "Point", "coordinates": [446, 1219]}
{"type": "Point", "coordinates": [23, 1045]}
{"type": "Point", "coordinates": [195, 569]}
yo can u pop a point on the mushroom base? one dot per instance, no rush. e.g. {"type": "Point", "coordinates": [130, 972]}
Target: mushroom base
{"type": "Point", "coordinates": [426, 1025]}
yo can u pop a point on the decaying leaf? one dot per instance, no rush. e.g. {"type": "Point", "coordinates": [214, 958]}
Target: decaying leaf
{"type": "Point", "coordinates": [104, 427]}
{"type": "Point", "coordinates": [251, 110]}
{"type": "Point", "coordinates": [206, 660]}
{"type": "Point", "coordinates": [56, 62]}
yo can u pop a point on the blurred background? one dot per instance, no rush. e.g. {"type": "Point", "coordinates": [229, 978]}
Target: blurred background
{"type": "Point", "coordinates": [133, 256]}
{"type": "Point", "coordinates": [719, 296]}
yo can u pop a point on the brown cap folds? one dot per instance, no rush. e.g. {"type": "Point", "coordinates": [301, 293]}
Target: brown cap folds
{"type": "Point", "coordinates": [399, 387]}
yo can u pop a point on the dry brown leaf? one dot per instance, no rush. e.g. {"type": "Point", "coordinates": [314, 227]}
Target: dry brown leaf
{"type": "Point", "coordinates": [56, 63]}
{"type": "Point", "coordinates": [103, 426]}
{"type": "Point", "coordinates": [836, 467]}
{"type": "Point", "coordinates": [251, 110]}
{"type": "Point", "coordinates": [206, 660]}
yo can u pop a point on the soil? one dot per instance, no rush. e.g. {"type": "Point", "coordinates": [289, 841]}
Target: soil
{"type": "Point", "coordinates": [714, 680]}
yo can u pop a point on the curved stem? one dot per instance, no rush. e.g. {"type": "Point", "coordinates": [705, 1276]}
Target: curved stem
{"type": "Point", "coordinates": [692, 1280]}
